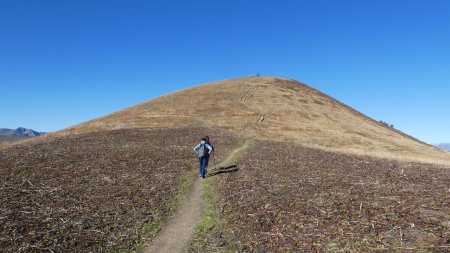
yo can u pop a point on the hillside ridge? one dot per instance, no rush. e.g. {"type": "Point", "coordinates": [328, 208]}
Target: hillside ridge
{"type": "Point", "coordinates": [269, 108]}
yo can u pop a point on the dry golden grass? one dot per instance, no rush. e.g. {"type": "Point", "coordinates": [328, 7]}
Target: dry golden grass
{"type": "Point", "coordinates": [271, 108]}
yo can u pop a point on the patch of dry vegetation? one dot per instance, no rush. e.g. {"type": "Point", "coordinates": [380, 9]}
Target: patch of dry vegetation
{"type": "Point", "coordinates": [12, 139]}
{"type": "Point", "coordinates": [296, 199]}
{"type": "Point", "coordinates": [96, 192]}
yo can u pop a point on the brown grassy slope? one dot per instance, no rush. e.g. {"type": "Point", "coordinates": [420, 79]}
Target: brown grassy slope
{"type": "Point", "coordinates": [4, 140]}
{"type": "Point", "coordinates": [307, 200]}
{"type": "Point", "coordinates": [94, 192]}
{"type": "Point", "coordinates": [274, 109]}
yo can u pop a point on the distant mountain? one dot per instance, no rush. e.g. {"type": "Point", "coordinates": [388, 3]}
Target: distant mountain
{"type": "Point", "coordinates": [21, 131]}
{"type": "Point", "coordinates": [444, 146]}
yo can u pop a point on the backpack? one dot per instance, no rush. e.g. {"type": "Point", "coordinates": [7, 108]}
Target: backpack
{"type": "Point", "coordinates": [202, 151]}
{"type": "Point", "coordinates": [212, 148]}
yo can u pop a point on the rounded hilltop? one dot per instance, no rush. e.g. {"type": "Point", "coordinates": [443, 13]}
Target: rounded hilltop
{"type": "Point", "coordinates": [270, 108]}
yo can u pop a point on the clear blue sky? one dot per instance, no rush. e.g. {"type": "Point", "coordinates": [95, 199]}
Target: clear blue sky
{"type": "Point", "coordinates": [65, 62]}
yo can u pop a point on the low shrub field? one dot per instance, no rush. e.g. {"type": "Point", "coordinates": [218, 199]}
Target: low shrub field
{"type": "Point", "coordinates": [287, 198]}
{"type": "Point", "coordinates": [107, 191]}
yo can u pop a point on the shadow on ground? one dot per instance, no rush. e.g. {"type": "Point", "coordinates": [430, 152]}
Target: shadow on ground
{"type": "Point", "coordinates": [221, 170]}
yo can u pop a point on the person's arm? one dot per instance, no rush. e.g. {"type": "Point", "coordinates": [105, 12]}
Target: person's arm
{"type": "Point", "coordinates": [196, 148]}
{"type": "Point", "coordinates": [210, 149]}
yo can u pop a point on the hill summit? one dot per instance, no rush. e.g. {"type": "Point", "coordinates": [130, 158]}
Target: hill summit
{"type": "Point", "coordinates": [270, 108]}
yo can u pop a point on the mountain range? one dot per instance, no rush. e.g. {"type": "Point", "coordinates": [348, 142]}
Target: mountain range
{"type": "Point", "coordinates": [21, 131]}
{"type": "Point", "coordinates": [444, 146]}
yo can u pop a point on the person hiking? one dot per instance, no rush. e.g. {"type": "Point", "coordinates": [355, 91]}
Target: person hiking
{"type": "Point", "coordinates": [207, 155]}
{"type": "Point", "coordinates": [202, 149]}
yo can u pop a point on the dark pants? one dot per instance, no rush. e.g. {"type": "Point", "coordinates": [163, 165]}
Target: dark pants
{"type": "Point", "coordinates": [207, 161]}
{"type": "Point", "coordinates": [203, 161]}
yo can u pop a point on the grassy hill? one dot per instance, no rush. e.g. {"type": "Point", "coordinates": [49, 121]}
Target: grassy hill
{"type": "Point", "coordinates": [316, 176]}
{"type": "Point", "coordinates": [12, 139]}
{"type": "Point", "coordinates": [271, 108]}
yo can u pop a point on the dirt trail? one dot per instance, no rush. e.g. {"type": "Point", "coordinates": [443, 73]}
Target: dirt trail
{"type": "Point", "coordinates": [233, 155]}
{"type": "Point", "coordinates": [177, 235]}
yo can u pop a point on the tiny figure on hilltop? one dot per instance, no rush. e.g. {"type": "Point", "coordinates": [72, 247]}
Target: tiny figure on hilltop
{"type": "Point", "coordinates": [203, 150]}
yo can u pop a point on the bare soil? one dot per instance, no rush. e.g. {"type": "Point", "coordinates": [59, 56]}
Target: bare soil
{"type": "Point", "coordinates": [97, 192]}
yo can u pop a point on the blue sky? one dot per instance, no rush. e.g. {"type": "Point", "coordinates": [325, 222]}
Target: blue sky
{"type": "Point", "coordinates": [65, 62]}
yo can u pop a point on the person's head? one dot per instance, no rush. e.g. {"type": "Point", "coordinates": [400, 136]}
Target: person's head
{"type": "Point", "coordinates": [203, 140]}
{"type": "Point", "coordinates": [207, 138]}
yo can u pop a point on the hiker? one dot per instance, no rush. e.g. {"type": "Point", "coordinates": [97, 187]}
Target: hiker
{"type": "Point", "coordinates": [202, 150]}
{"type": "Point", "coordinates": [207, 155]}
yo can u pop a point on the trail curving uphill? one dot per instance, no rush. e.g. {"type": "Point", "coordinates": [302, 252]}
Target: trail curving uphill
{"type": "Point", "coordinates": [177, 235]}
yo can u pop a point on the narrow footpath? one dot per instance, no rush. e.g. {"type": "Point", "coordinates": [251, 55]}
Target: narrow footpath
{"type": "Point", "coordinates": [176, 237]}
